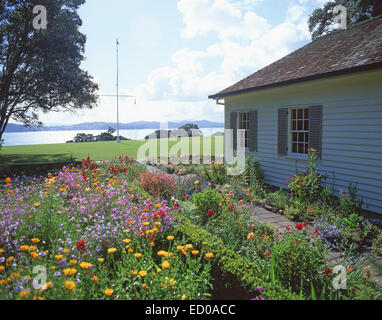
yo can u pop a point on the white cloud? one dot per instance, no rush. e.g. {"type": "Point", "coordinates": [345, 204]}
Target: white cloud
{"type": "Point", "coordinates": [245, 43]}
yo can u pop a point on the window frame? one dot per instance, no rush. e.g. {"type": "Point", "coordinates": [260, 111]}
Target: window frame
{"type": "Point", "coordinates": [245, 131]}
{"type": "Point", "coordinates": [297, 155]}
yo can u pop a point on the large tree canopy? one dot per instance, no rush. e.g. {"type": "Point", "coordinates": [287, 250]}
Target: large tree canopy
{"type": "Point", "coordinates": [321, 20]}
{"type": "Point", "coordinates": [40, 69]}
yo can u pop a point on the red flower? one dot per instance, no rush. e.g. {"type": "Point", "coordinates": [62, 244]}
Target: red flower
{"type": "Point", "coordinates": [316, 232]}
{"type": "Point", "coordinates": [81, 246]}
{"type": "Point", "coordinates": [186, 197]}
{"type": "Point", "coordinates": [299, 226]}
{"type": "Point", "coordinates": [287, 229]}
{"type": "Point", "coordinates": [297, 240]}
{"type": "Point", "coordinates": [328, 271]}
{"type": "Point", "coordinates": [210, 213]}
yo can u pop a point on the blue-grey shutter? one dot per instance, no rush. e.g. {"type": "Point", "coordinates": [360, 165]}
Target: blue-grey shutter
{"type": "Point", "coordinates": [252, 132]}
{"type": "Point", "coordinates": [233, 126]}
{"type": "Point", "coordinates": [315, 128]}
{"type": "Point", "coordinates": [282, 132]}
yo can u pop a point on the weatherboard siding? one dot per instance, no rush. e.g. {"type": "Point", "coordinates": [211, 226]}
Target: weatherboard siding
{"type": "Point", "coordinates": [351, 132]}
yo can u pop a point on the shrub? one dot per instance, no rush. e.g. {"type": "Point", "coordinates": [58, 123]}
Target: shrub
{"type": "Point", "coordinates": [209, 202]}
{"type": "Point", "coordinates": [299, 260]}
{"type": "Point", "coordinates": [377, 245]}
{"type": "Point", "coordinates": [216, 174]}
{"type": "Point", "coordinates": [307, 186]}
{"type": "Point", "coordinates": [160, 185]}
{"type": "Point", "coordinates": [349, 203]}
{"type": "Point", "coordinates": [253, 174]}
{"type": "Point", "coordinates": [245, 271]}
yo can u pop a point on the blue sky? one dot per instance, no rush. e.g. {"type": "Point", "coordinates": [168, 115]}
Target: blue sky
{"type": "Point", "coordinates": [174, 53]}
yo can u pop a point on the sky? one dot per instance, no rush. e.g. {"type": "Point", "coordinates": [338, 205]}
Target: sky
{"type": "Point", "coordinates": [173, 54]}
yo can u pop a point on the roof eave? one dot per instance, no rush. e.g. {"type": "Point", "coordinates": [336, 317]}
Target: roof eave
{"type": "Point", "coordinates": [365, 67]}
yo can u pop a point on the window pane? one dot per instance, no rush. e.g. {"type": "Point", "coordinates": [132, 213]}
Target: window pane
{"type": "Point", "coordinates": [301, 137]}
{"type": "Point", "coordinates": [294, 113]}
{"type": "Point", "coordinates": [300, 113]}
{"type": "Point", "coordinates": [306, 124]}
{"type": "Point", "coordinates": [294, 125]}
{"type": "Point", "coordinates": [306, 137]}
{"type": "Point", "coordinates": [300, 148]}
{"type": "Point", "coordinates": [306, 113]}
{"type": "Point", "coordinates": [294, 137]}
{"type": "Point", "coordinates": [294, 147]}
{"type": "Point", "coordinates": [306, 148]}
{"type": "Point", "coordinates": [299, 125]}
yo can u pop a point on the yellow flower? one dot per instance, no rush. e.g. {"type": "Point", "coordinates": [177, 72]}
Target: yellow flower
{"type": "Point", "coordinates": [250, 236]}
{"type": "Point", "coordinates": [100, 260]}
{"type": "Point", "coordinates": [24, 248]}
{"type": "Point", "coordinates": [108, 292]}
{"type": "Point", "coordinates": [35, 240]}
{"type": "Point", "coordinates": [170, 238]}
{"type": "Point", "coordinates": [143, 273]}
{"type": "Point", "coordinates": [59, 257]}
{"type": "Point", "coordinates": [133, 272]}
{"type": "Point", "coordinates": [157, 224]}
{"type": "Point", "coordinates": [32, 248]}
{"type": "Point", "coordinates": [111, 250]}
{"type": "Point", "coordinates": [209, 255]}
{"type": "Point", "coordinates": [65, 251]}
{"type": "Point", "coordinates": [130, 250]}
{"type": "Point", "coordinates": [145, 286]}
{"type": "Point", "coordinates": [85, 265]}
{"type": "Point", "coordinates": [52, 268]}
{"type": "Point", "coordinates": [180, 248]}
{"type": "Point", "coordinates": [163, 253]}
{"type": "Point", "coordinates": [196, 182]}
{"type": "Point", "coordinates": [165, 264]}
{"type": "Point", "coordinates": [184, 297]}
{"type": "Point", "coordinates": [146, 223]}
{"type": "Point", "coordinates": [73, 262]}
{"type": "Point", "coordinates": [34, 255]}
{"type": "Point", "coordinates": [1, 251]}
{"type": "Point", "coordinates": [37, 204]}
{"type": "Point", "coordinates": [47, 286]}
{"type": "Point", "coordinates": [24, 294]}
{"type": "Point", "coordinates": [127, 241]}
{"type": "Point", "coordinates": [2, 268]}
{"type": "Point", "coordinates": [172, 282]}
{"type": "Point", "coordinates": [195, 252]}
{"type": "Point", "coordinates": [70, 285]}
{"type": "Point", "coordinates": [69, 272]}
{"type": "Point", "coordinates": [138, 255]}
{"type": "Point", "coordinates": [189, 246]}
{"type": "Point", "coordinates": [95, 278]}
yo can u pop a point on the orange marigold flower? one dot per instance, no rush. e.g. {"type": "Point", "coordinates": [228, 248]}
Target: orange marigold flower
{"type": "Point", "coordinates": [109, 292]}
{"type": "Point", "coordinates": [165, 264]}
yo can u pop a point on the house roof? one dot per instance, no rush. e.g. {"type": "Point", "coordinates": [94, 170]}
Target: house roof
{"type": "Point", "coordinates": [357, 48]}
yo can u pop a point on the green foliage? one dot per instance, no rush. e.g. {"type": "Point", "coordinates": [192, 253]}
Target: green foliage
{"type": "Point", "coordinates": [307, 187]}
{"type": "Point", "coordinates": [322, 19]}
{"type": "Point", "coordinates": [44, 73]}
{"type": "Point", "coordinates": [244, 270]}
{"type": "Point", "coordinates": [279, 199]}
{"type": "Point", "coordinates": [216, 174]}
{"type": "Point", "coordinates": [207, 200]}
{"type": "Point", "coordinates": [377, 245]}
{"type": "Point", "coordinates": [350, 202]}
{"type": "Point", "coordinates": [299, 261]}
{"type": "Point", "coordinates": [253, 175]}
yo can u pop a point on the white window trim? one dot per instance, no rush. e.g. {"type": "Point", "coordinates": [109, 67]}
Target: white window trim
{"type": "Point", "coordinates": [294, 155]}
{"type": "Point", "coordinates": [239, 131]}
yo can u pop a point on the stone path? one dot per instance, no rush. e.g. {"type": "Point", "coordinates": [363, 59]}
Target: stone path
{"type": "Point", "coordinates": [333, 257]}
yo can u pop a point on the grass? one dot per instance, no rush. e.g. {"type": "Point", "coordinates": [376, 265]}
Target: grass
{"type": "Point", "coordinates": [95, 150]}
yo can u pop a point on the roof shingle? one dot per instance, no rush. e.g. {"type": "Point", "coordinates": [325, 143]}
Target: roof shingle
{"type": "Point", "coordinates": [355, 49]}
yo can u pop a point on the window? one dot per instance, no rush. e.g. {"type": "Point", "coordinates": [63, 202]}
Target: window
{"type": "Point", "coordinates": [244, 125]}
{"type": "Point", "coordinates": [299, 130]}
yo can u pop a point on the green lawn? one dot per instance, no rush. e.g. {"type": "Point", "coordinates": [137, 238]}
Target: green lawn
{"type": "Point", "coordinates": [96, 150]}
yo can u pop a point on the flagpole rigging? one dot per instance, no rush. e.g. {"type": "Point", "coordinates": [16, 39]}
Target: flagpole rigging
{"type": "Point", "coordinates": [118, 139]}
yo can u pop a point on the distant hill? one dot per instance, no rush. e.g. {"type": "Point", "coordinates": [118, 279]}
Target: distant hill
{"type": "Point", "coordinates": [11, 127]}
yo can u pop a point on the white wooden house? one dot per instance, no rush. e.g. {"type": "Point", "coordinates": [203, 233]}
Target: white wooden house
{"type": "Point", "coordinates": [326, 95]}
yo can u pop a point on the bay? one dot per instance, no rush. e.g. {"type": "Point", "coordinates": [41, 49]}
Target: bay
{"type": "Point", "coordinates": [53, 137]}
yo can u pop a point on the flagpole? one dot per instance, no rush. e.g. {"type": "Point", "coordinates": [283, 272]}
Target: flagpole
{"type": "Point", "coordinates": [118, 139]}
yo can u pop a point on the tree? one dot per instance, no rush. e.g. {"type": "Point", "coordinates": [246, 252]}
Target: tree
{"type": "Point", "coordinates": [321, 20]}
{"type": "Point", "coordinates": [40, 69]}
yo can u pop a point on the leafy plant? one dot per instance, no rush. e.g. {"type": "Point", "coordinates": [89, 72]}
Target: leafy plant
{"type": "Point", "coordinates": [209, 202]}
